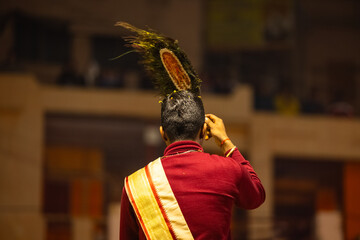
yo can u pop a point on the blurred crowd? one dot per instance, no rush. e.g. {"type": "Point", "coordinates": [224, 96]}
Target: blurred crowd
{"type": "Point", "coordinates": [286, 102]}
{"type": "Point", "coordinates": [102, 77]}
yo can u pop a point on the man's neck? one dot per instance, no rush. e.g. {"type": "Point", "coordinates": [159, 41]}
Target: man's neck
{"type": "Point", "coordinates": [198, 140]}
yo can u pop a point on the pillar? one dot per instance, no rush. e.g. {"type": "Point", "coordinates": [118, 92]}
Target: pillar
{"type": "Point", "coordinates": [21, 136]}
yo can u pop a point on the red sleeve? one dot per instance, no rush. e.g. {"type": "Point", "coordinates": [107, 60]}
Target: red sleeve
{"type": "Point", "coordinates": [251, 193]}
{"type": "Point", "coordinates": [129, 229]}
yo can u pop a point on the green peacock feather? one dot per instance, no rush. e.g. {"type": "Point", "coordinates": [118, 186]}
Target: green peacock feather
{"type": "Point", "coordinates": [148, 44]}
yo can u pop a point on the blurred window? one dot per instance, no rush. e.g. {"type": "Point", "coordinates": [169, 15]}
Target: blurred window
{"type": "Point", "coordinates": [41, 39]}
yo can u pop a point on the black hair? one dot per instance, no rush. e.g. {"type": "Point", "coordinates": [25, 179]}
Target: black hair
{"type": "Point", "coordinates": [182, 115]}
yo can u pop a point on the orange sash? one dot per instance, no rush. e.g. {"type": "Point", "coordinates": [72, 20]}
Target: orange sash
{"type": "Point", "coordinates": [155, 205]}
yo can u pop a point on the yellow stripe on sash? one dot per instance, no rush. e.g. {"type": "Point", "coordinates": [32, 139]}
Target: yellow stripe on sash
{"type": "Point", "coordinates": [146, 192]}
{"type": "Point", "coordinates": [168, 200]}
{"type": "Point", "coordinates": [148, 211]}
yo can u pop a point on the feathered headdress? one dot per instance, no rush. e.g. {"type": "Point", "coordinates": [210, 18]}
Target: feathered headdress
{"type": "Point", "coordinates": [164, 60]}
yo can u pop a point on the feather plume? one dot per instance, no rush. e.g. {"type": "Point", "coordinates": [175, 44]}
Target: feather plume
{"type": "Point", "coordinates": [162, 57]}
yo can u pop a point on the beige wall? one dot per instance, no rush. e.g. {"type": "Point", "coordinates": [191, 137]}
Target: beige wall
{"type": "Point", "coordinates": [314, 137]}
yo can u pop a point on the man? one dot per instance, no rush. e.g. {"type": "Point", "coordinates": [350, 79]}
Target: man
{"type": "Point", "coordinates": [200, 188]}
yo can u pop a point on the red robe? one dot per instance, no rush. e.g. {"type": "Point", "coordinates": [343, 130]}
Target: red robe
{"type": "Point", "coordinates": [206, 187]}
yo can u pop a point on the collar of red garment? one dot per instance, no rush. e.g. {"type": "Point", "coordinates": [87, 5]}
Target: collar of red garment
{"type": "Point", "coordinates": [182, 146]}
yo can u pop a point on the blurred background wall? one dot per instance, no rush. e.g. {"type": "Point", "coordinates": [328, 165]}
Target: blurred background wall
{"type": "Point", "coordinates": [283, 74]}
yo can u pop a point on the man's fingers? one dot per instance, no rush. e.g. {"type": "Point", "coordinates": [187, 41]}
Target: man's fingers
{"type": "Point", "coordinates": [209, 122]}
{"type": "Point", "coordinates": [216, 120]}
{"type": "Point", "coordinates": [209, 115]}
{"type": "Point", "coordinates": [212, 117]}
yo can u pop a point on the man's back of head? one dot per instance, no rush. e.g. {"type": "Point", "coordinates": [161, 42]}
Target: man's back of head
{"type": "Point", "coordinates": [182, 116]}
